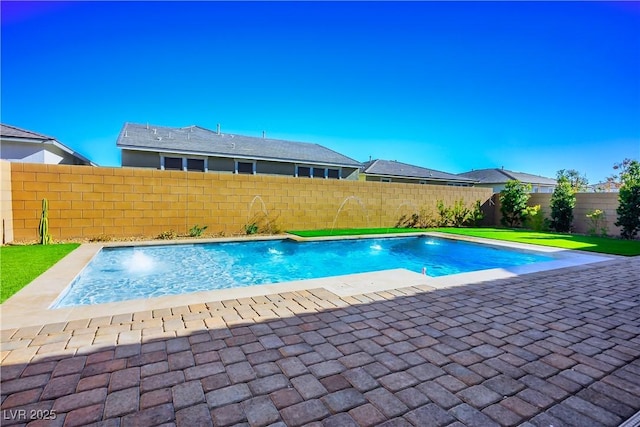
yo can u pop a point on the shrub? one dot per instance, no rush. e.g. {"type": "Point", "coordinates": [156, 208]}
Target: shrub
{"type": "Point", "coordinates": [513, 203]}
{"type": "Point", "coordinates": [167, 235]}
{"type": "Point", "coordinates": [476, 214]}
{"type": "Point", "coordinates": [445, 215]}
{"type": "Point", "coordinates": [422, 219]}
{"type": "Point", "coordinates": [629, 201]}
{"type": "Point", "coordinates": [597, 223]}
{"type": "Point", "coordinates": [458, 215]}
{"type": "Point", "coordinates": [196, 230]}
{"type": "Point", "coordinates": [251, 228]}
{"type": "Point", "coordinates": [262, 223]}
{"type": "Point", "coordinates": [534, 218]}
{"type": "Point", "coordinates": [563, 200]}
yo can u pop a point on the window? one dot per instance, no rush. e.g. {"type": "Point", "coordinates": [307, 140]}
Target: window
{"type": "Point", "coordinates": [317, 172]}
{"type": "Point", "coordinates": [333, 173]}
{"type": "Point", "coordinates": [304, 171]}
{"type": "Point", "coordinates": [173, 163]}
{"type": "Point", "coordinates": [385, 179]}
{"type": "Point", "coordinates": [195, 165]}
{"type": "Point", "coordinates": [245, 167]}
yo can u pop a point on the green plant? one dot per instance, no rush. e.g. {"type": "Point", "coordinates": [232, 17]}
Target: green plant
{"type": "Point", "coordinates": [262, 223]}
{"type": "Point", "coordinates": [445, 215]}
{"type": "Point", "coordinates": [563, 200]}
{"type": "Point", "coordinates": [196, 230]}
{"type": "Point", "coordinates": [460, 213]}
{"type": "Point", "coordinates": [534, 218]}
{"type": "Point", "coordinates": [167, 235]}
{"type": "Point", "coordinates": [421, 219]}
{"type": "Point", "coordinates": [513, 203]}
{"type": "Point", "coordinates": [629, 201]}
{"type": "Point", "coordinates": [477, 214]}
{"type": "Point", "coordinates": [251, 228]}
{"type": "Point", "coordinates": [43, 227]}
{"type": "Point", "coordinates": [597, 223]}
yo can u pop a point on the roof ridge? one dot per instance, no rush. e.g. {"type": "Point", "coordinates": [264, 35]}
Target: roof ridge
{"type": "Point", "coordinates": [506, 172]}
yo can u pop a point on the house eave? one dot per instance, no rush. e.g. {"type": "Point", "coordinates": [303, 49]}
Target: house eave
{"type": "Point", "coordinates": [236, 156]}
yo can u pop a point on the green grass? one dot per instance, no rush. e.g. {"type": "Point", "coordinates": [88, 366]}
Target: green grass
{"type": "Point", "coordinates": [354, 231]}
{"type": "Point", "coordinates": [605, 245]}
{"type": "Point", "coordinates": [19, 265]}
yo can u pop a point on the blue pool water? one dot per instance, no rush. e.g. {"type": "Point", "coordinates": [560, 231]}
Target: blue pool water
{"type": "Point", "coordinates": [117, 274]}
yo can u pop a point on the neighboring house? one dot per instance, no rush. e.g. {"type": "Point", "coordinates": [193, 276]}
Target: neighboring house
{"type": "Point", "coordinates": [393, 171]}
{"type": "Point", "coordinates": [195, 148]}
{"type": "Point", "coordinates": [25, 146]}
{"type": "Point", "coordinates": [497, 179]}
{"type": "Point", "coordinates": [605, 187]}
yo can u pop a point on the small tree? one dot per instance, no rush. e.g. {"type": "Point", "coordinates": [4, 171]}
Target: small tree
{"type": "Point", "coordinates": [578, 182]}
{"type": "Point", "coordinates": [563, 200]}
{"type": "Point", "coordinates": [513, 203]}
{"type": "Point", "coordinates": [629, 201]}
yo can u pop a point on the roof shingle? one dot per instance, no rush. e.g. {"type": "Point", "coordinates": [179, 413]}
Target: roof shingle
{"type": "Point", "coordinates": [404, 170]}
{"type": "Point", "coordinates": [198, 140]}
{"type": "Point", "coordinates": [501, 176]}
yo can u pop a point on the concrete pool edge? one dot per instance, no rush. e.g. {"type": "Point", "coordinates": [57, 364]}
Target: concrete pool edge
{"type": "Point", "coordinates": [30, 306]}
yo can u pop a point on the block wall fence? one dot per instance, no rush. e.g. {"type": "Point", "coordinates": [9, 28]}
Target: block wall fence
{"type": "Point", "coordinates": [585, 203]}
{"type": "Point", "coordinates": [87, 202]}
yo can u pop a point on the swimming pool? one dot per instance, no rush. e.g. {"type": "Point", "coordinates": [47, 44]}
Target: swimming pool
{"type": "Point", "coordinates": [124, 273]}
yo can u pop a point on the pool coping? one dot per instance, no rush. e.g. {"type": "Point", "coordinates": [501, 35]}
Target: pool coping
{"type": "Point", "coordinates": [30, 306]}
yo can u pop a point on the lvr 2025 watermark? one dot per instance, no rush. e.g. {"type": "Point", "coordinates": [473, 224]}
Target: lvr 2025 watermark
{"type": "Point", "coordinates": [28, 414]}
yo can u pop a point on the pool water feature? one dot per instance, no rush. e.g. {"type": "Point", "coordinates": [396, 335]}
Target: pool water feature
{"type": "Point", "coordinates": [124, 273]}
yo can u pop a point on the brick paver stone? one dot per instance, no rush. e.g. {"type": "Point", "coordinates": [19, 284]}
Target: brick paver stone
{"type": "Point", "coordinates": [224, 396]}
{"type": "Point", "coordinates": [343, 400]}
{"type": "Point", "coordinates": [386, 402]}
{"type": "Point", "coordinates": [228, 415]}
{"type": "Point", "coordinates": [551, 348]}
{"type": "Point", "coordinates": [309, 387]}
{"type": "Point", "coordinates": [187, 394]}
{"type": "Point", "coordinates": [429, 415]}
{"type": "Point", "coordinates": [260, 411]}
{"type": "Point", "coordinates": [196, 415]}
{"type": "Point", "coordinates": [304, 413]}
{"type": "Point", "coordinates": [122, 402]}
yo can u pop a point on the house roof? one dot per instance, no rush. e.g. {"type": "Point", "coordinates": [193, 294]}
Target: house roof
{"type": "Point", "coordinates": [392, 168]}
{"type": "Point", "coordinates": [501, 176]}
{"type": "Point", "coordinates": [200, 141]}
{"type": "Point", "coordinates": [16, 134]}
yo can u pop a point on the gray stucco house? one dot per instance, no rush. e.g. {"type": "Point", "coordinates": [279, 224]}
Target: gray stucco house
{"type": "Point", "coordinates": [393, 171]}
{"type": "Point", "coordinates": [497, 179]}
{"type": "Point", "coordinates": [195, 148]}
{"type": "Point", "coordinates": [25, 146]}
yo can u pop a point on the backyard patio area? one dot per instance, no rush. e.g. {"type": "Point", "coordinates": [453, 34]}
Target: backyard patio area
{"type": "Point", "coordinates": [559, 348]}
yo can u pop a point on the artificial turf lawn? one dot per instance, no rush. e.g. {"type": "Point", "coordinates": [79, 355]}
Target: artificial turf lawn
{"type": "Point", "coordinates": [19, 265]}
{"type": "Point", "coordinates": [355, 231]}
{"type": "Point", "coordinates": [605, 245]}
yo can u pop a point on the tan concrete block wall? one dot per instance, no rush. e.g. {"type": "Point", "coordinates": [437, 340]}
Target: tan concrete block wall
{"type": "Point", "coordinates": [86, 202]}
{"type": "Point", "coordinates": [6, 202]}
{"type": "Point", "coordinates": [585, 203]}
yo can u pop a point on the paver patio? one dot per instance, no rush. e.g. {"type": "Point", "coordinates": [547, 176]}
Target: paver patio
{"type": "Point", "coordinates": [557, 348]}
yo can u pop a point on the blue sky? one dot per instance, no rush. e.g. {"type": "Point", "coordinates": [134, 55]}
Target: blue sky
{"type": "Point", "coordinates": [531, 86]}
